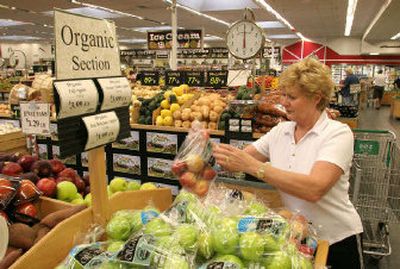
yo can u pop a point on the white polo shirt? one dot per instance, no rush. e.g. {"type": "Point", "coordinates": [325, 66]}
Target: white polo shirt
{"type": "Point", "coordinates": [333, 215]}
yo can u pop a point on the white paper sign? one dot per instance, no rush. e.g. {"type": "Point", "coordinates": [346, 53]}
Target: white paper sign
{"type": "Point", "coordinates": [85, 47]}
{"type": "Point", "coordinates": [102, 129]}
{"type": "Point", "coordinates": [35, 118]}
{"type": "Point", "coordinates": [238, 77]}
{"type": "Point", "coordinates": [77, 97]}
{"type": "Point", "coordinates": [117, 92]}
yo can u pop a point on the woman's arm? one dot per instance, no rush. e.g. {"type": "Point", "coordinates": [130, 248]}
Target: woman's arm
{"type": "Point", "coordinates": [252, 151]}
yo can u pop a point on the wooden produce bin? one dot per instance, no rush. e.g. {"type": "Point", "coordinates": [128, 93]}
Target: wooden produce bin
{"type": "Point", "coordinates": [388, 97]}
{"type": "Point", "coordinates": [395, 109]}
{"type": "Point", "coordinates": [54, 247]}
{"type": "Point", "coordinates": [13, 142]}
{"type": "Point", "coordinates": [46, 205]}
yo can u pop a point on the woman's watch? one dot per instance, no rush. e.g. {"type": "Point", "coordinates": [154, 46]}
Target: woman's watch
{"type": "Point", "coordinates": [260, 174]}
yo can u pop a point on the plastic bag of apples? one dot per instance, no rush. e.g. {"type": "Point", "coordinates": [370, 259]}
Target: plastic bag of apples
{"type": "Point", "coordinates": [194, 161]}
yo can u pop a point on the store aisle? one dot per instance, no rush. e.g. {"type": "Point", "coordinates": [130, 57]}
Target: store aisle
{"type": "Point", "coordinates": [380, 120]}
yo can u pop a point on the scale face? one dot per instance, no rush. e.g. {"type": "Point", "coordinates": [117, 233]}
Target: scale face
{"type": "Point", "coordinates": [244, 39]}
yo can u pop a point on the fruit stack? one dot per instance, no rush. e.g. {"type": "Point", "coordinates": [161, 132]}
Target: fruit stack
{"type": "Point", "coordinates": [193, 163]}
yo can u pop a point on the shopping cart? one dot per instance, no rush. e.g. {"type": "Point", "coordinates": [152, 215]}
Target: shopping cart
{"type": "Point", "coordinates": [375, 187]}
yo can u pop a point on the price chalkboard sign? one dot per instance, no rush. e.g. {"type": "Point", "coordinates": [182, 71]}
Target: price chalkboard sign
{"type": "Point", "coordinates": [217, 79]}
{"type": "Point", "coordinates": [148, 78]}
{"type": "Point", "coordinates": [174, 78]}
{"type": "Point", "coordinates": [35, 118]}
{"type": "Point", "coordinates": [195, 78]}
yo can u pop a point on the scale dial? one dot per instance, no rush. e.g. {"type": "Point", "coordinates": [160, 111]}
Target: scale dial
{"type": "Point", "coordinates": [244, 39]}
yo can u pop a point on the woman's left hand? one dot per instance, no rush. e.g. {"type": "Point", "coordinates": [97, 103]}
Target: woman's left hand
{"type": "Point", "coordinates": [231, 158]}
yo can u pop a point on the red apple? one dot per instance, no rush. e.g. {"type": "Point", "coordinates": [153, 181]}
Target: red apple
{"type": "Point", "coordinates": [27, 190]}
{"type": "Point", "coordinates": [60, 179]}
{"type": "Point", "coordinates": [68, 172]}
{"type": "Point", "coordinates": [11, 169]}
{"type": "Point", "coordinates": [15, 157]}
{"type": "Point", "coordinates": [178, 167]}
{"type": "Point", "coordinates": [201, 187]}
{"type": "Point", "coordinates": [31, 176]}
{"type": "Point", "coordinates": [86, 179]}
{"type": "Point", "coordinates": [87, 189]}
{"type": "Point", "coordinates": [26, 162]}
{"type": "Point", "coordinates": [79, 183]}
{"type": "Point", "coordinates": [47, 186]}
{"type": "Point", "coordinates": [27, 209]}
{"type": "Point", "coordinates": [56, 166]}
{"type": "Point", "coordinates": [187, 179]}
{"type": "Point", "coordinates": [42, 168]}
{"type": "Point", "coordinates": [209, 173]}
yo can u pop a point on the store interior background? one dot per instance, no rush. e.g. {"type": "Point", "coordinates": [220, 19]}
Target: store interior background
{"type": "Point", "coordinates": [373, 42]}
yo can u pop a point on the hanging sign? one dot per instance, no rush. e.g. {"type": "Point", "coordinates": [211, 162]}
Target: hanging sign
{"type": "Point", "coordinates": [76, 97]}
{"type": "Point", "coordinates": [35, 118]}
{"type": "Point", "coordinates": [148, 78]}
{"type": "Point", "coordinates": [174, 78]}
{"type": "Point", "coordinates": [85, 47]}
{"type": "Point", "coordinates": [116, 92]}
{"type": "Point", "coordinates": [195, 78]}
{"type": "Point", "coordinates": [187, 39]}
{"type": "Point", "coordinates": [217, 79]}
{"type": "Point", "coordinates": [238, 77]}
{"type": "Point", "coordinates": [101, 129]}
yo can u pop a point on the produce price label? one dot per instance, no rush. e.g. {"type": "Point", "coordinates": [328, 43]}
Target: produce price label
{"type": "Point", "coordinates": [77, 97]}
{"type": "Point", "coordinates": [116, 91]}
{"type": "Point", "coordinates": [194, 78]}
{"type": "Point", "coordinates": [148, 78]}
{"type": "Point", "coordinates": [174, 78]}
{"type": "Point", "coordinates": [217, 79]}
{"type": "Point", "coordinates": [35, 118]}
{"type": "Point", "coordinates": [102, 129]}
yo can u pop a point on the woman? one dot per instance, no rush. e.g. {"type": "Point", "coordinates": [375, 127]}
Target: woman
{"type": "Point", "coordinates": [309, 161]}
{"type": "Point", "coordinates": [379, 88]}
{"type": "Point", "coordinates": [349, 80]}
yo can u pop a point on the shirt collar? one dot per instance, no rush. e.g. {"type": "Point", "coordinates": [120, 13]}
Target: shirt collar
{"type": "Point", "coordinates": [316, 129]}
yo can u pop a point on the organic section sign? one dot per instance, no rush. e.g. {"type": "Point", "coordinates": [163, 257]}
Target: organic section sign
{"type": "Point", "coordinates": [116, 92]}
{"type": "Point", "coordinates": [35, 118]}
{"type": "Point", "coordinates": [187, 39]}
{"type": "Point", "coordinates": [77, 97]}
{"type": "Point", "coordinates": [85, 47]}
{"type": "Point", "coordinates": [102, 129]}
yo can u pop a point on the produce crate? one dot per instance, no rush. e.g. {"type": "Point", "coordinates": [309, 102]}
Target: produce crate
{"type": "Point", "coordinates": [388, 98]}
{"type": "Point", "coordinates": [54, 247]}
{"type": "Point", "coordinates": [395, 109]}
{"type": "Point", "coordinates": [13, 142]}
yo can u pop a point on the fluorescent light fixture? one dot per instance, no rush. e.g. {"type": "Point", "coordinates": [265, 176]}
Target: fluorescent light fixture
{"type": "Point", "coordinates": [212, 38]}
{"type": "Point", "coordinates": [8, 23]}
{"type": "Point", "coordinates": [378, 15]}
{"type": "Point", "coordinates": [220, 5]}
{"type": "Point", "coordinates": [270, 24]}
{"type": "Point", "coordinates": [19, 37]}
{"type": "Point", "coordinates": [274, 12]}
{"type": "Point", "coordinates": [301, 36]}
{"type": "Point", "coordinates": [374, 53]}
{"type": "Point", "coordinates": [89, 11]}
{"type": "Point", "coordinates": [156, 28]}
{"type": "Point", "coordinates": [351, 9]}
{"type": "Point", "coordinates": [396, 36]}
{"type": "Point", "coordinates": [288, 36]}
{"type": "Point", "coordinates": [107, 9]}
{"type": "Point", "coordinates": [133, 41]}
{"type": "Point", "coordinates": [191, 10]}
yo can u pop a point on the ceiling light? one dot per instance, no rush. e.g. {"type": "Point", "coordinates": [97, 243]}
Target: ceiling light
{"type": "Point", "coordinates": [13, 8]}
{"type": "Point", "coordinates": [133, 41]}
{"type": "Point", "coordinates": [191, 10]}
{"type": "Point", "coordinates": [8, 22]}
{"type": "Point", "coordinates": [302, 37]}
{"type": "Point", "coordinates": [274, 12]}
{"type": "Point", "coordinates": [351, 9]}
{"type": "Point", "coordinates": [156, 28]}
{"type": "Point", "coordinates": [289, 36]}
{"type": "Point", "coordinates": [374, 53]}
{"type": "Point", "coordinates": [378, 15]}
{"type": "Point", "coordinates": [19, 37]}
{"type": "Point", "coordinates": [270, 24]}
{"type": "Point", "coordinates": [212, 38]}
{"type": "Point", "coordinates": [396, 36]}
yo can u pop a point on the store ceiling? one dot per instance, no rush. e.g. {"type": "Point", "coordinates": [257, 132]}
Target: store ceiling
{"type": "Point", "coordinates": [315, 19]}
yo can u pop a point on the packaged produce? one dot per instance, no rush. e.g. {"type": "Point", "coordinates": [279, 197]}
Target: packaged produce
{"type": "Point", "coordinates": [8, 189]}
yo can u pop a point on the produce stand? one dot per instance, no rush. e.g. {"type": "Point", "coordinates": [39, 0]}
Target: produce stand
{"type": "Point", "coordinates": [352, 122]}
{"type": "Point", "coordinates": [13, 142]}
{"type": "Point", "coordinates": [395, 107]}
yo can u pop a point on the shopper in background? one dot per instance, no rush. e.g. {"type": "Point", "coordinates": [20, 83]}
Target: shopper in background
{"type": "Point", "coordinates": [349, 80]}
{"type": "Point", "coordinates": [309, 161]}
{"type": "Point", "coordinates": [379, 87]}
{"type": "Point", "coordinates": [396, 83]}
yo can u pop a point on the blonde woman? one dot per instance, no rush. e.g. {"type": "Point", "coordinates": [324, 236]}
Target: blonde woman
{"type": "Point", "coordinates": [349, 80]}
{"type": "Point", "coordinates": [308, 160]}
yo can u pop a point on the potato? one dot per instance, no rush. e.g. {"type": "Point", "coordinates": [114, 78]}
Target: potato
{"type": "Point", "coordinates": [43, 230]}
{"type": "Point", "coordinates": [196, 116]}
{"type": "Point", "coordinates": [185, 116]}
{"type": "Point", "coordinates": [212, 125]}
{"type": "Point", "coordinates": [53, 219]}
{"type": "Point", "coordinates": [177, 115]}
{"type": "Point", "coordinates": [178, 123]}
{"type": "Point", "coordinates": [205, 111]}
{"type": "Point", "coordinates": [186, 124]}
{"type": "Point", "coordinates": [213, 116]}
{"type": "Point", "coordinates": [195, 108]}
{"type": "Point", "coordinates": [21, 236]}
{"type": "Point", "coordinates": [196, 102]}
{"type": "Point", "coordinates": [218, 109]}
{"type": "Point", "coordinates": [204, 124]}
{"type": "Point", "coordinates": [10, 258]}
{"type": "Point", "coordinates": [186, 110]}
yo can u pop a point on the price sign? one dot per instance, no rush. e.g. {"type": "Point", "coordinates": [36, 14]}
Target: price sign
{"type": "Point", "coordinates": [217, 79]}
{"type": "Point", "coordinates": [77, 97]}
{"type": "Point", "coordinates": [148, 78]}
{"type": "Point", "coordinates": [174, 78]}
{"type": "Point", "coordinates": [116, 92]}
{"type": "Point", "coordinates": [35, 118]}
{"type": "Point", "coordinates": [101, 128]}
{"type": "Point", "coordinates": [195, 78]}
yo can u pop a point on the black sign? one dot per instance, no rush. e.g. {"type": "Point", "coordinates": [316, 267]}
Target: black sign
{"type": "Point", "coordinates": [174, 78]}
{"type": "Point", "coordinates": [148, 78]}
{"type": "Point", "coordinates": [194, 78]}
{"type": "Point", "coordinates": [187, 39]}
{"type": "Point", "coordinates": [217, 79]}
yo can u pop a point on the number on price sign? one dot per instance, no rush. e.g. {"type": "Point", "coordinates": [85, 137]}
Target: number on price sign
{"type": "Point", "coordinates": [194, 78]}
{"type": "Point", "coordinates": [174, 78]}
{"type": "Point", "coordinates": [148, 78]}
{"type": "Point", "coordinates": [35, 118]}
{"type": "Point", "coordinates": [217, 79]}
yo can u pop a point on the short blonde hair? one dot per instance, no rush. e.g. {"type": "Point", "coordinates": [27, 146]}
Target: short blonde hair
{"type": "Point", "coordinates": [349, 70]}
{"type": "Point", "coordinates": [312, 77]}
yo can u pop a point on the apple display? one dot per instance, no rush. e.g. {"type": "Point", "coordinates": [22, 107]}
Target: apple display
{"type": "Point", "coordinates": [205, 245]}
{"type": "Point", "coordinates": [194, 163]}
{"type": "Point", "coordinates": [118, 228]}
{"type": "Point", "coordinates": [157, 227]}
{"type": "Point", "coordinates": [118, 184]}
{"type": "Point", "coordinates": [187, 235]}
{"type": "Point", "coordinates": [47, 186]}
{"type": "Point", "coordinates": [148, 186]}
{"type": "Point", "coordinates": [133, 186]}
{"type": "Point", "coordinates": [11, 169]}
{"type": "Point", "coordinates": [225, 236]}
{"type": "Point", "coordinates": [26, 162]}
{"type": "Point", "coordinates": [251, 246]}
{"type": "Point", "coordinates": [66, 191]}
{"type": "Point", "coordinates": [187, 179]}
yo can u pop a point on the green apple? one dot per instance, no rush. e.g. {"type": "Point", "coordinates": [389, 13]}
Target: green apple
{"type": "Point", "coordinates": [256, 208]}
{"type": "Point", "coordinates": [251, 246]}
{"type": "Point", "coordinates": [118, 184]}
{"type": "Point", "coordinates": [148, 186]}
{"type": "Point", "coordinates": [133, 186]}
{"type": "Point", "coordinates": [231, 261]}
{"type": "Point", "coordinates": [109, 192]}
{"type": "Point", "coordinates": [279, 261]}
{"type": "Point", "coordinates": [187, 234]}
{"type": "Point", "coordinates": [270, 243]}
{"type": "Point", "coordinates": [205, 245]}
{"type": "Point", "coordinates": [170, 244]}
{"type": "Point", "coordinates": [304, 263]}
{"type": "Point", "coordinates": [157, 227]}
{"type": "Point", "coordinates": [185, 196]}
{"type": "Point", "coordinates": [66, 191]}
{"type": "Point", "coordinates": [78, 196]}
{"type": "Point", "coordinates": [195, 212]}
{"type": "Point", "coordinates": [88, 199]}
{"type": "Point", "coordinates": [115, 246]}
{"type": "Point", "coordinates": [175, 262]}
{"type": "Point", "coordinates": [118, 228]}
{"type": "Point", "coordinates": [78, 201]}
{"type": "Point", "coordinates": [225, 236]}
